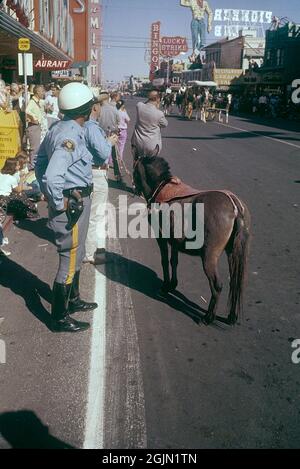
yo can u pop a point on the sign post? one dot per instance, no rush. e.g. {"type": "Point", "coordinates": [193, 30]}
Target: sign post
{"type": "Point", "coordinates": [24, 46]}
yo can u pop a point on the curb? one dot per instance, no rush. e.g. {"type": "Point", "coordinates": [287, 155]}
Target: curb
{"type": "Point", "coordinates": [7, 224]}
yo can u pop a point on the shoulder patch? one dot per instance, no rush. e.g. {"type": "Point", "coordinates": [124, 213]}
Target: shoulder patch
{"type": "Point", "coordinates": [68, 145]}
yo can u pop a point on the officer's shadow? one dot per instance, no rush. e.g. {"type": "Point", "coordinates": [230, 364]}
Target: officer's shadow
{"type": "Point", "coordinates": [27, 285]}
{"type": "Point", "coordinates": [37, 227]}
{"type": "Point", "coordinates": [24, 430]}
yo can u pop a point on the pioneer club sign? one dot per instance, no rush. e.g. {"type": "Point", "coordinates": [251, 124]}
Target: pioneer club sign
{"type": "Point", "coordinates": [173, 46]}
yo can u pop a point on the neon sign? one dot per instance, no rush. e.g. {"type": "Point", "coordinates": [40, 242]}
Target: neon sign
{"type": "Point", "coordinates": [239, 19]}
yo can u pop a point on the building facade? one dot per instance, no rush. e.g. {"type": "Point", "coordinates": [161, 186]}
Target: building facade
{"type": "Point", "coordinates": [237, 53]}
{"type": "Point", "coordinates": [281, 63]}
{"type": "Point", "coordinates": [49, 27]}
{"type": "Point", "coordinates": [61, 32]}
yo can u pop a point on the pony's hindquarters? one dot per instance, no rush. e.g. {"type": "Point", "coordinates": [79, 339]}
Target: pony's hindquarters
{"type": "Point", "coordinates": [237, 251]}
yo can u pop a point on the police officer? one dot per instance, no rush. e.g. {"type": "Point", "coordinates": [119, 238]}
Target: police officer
{"type": "Point", "coordinates": [64, 171]}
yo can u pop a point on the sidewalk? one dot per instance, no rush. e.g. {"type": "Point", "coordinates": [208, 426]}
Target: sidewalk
{"type": "Point", "coordinates": [44, 379]}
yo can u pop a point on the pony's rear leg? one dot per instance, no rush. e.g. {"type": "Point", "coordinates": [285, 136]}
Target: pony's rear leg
{"type": "Point", "coordinates": [174, 264]}
{"type": "Point", "coordinates": [210, 266]}
{"type": "Point", "coordinates": [164, 252]}
{"type": "Point", "coordinates": [232, 316]}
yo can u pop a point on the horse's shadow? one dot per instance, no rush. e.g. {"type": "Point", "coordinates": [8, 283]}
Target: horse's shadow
{"type": "Point", "coordinates": [140, 278]}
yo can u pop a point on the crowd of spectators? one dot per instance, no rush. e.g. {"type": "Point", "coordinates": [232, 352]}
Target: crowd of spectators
{"type": "Point", "coordinates": [269, 105]}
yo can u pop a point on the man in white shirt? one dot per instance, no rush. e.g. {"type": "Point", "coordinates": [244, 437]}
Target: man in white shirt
{"type": "Point", "coordinates": [51, 106]}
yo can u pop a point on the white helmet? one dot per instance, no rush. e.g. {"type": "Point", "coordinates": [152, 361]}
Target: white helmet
{"type": "Point", "coordinates": [75, 96]}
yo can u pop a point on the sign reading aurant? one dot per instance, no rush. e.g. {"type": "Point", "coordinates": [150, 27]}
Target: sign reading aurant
{"type": "Point", "coordinates": [52, 64]}
{"type": "Point", "coordinates": [155, 49]}
{"type": "Point", "coordinates": [173, 46]}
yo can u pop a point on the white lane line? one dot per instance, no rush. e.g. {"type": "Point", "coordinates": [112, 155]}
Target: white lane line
{"type": "Point", "coordinates": [259, 135]}
{"type": "Point", "coordinates": [94, 430]}
{"type": "Point", "coordinates": [127, 380]}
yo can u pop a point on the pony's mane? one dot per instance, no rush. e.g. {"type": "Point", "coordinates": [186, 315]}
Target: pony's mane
{"type": "Point", "coordinates": [157, 167]}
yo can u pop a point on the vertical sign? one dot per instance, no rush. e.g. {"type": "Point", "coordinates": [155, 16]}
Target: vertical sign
{"type": "Point", "coordinates": [155, 49]}
{"type": "Point", "coordinates": [95, 41]}
{"type": "Point", "coordinates": [79, 13]}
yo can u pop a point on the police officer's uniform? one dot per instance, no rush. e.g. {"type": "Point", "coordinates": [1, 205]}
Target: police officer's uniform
{"type": "Point", "coordinates": [64, 168]}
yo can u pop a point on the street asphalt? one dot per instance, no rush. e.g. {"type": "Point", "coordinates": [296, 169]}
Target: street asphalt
{"type": "Point", "coordinates": [169, 381]}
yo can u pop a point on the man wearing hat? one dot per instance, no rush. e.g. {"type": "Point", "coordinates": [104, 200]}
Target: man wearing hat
{"type": "Point", "coordinates": [109, 121]}
{"type": "Point", "coordinates": [100, 147]}
{"type": "Point", "coordinates": [146, 139]}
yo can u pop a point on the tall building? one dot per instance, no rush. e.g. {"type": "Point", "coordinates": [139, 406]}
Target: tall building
{"type": "Point", "coordinates": [49, 27]}
{"type": "Point", "coordinates": [281, 64]}
{"type": "Point", "coordinates": [65, 37]}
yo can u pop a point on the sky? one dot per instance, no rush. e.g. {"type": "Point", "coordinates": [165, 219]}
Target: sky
{"type": "Point", "coordinates": [127, 24]}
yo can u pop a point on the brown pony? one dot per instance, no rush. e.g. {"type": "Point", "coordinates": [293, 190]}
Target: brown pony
{"type": "Point", "coordinates": [226, 228]}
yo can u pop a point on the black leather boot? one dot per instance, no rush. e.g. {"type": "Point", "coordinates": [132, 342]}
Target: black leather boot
{"type": "Point", "coordinates": [76, 303]}
{"type": "Point", "coordinates": [60, 319]}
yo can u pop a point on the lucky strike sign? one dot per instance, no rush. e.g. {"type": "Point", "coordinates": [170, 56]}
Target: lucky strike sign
{"type": "Point", "coordinates": [173, 46]}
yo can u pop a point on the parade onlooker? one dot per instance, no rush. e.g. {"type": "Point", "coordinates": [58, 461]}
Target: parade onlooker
{"type": "Point", "coordinates": [146, 139]}
{"type": "Point", "coordinates": [30, 185]}
{"type": "Point", "coordinates": [51, 105]}
{"type": "Point", "coordinates": [35, 118]}
{"type": "Point", "coordinates": [109, 121]}
{"type": "Point", "coordinates": [100, 147]}
{"type": "Point", "coordinates": [9, 177]}
{"type": "Point", "coordinates": [263, 102]}
{"type": "Point", "coordinates": [11, 192]}
{"type": "Point", "coordinates": [123, 126]}
{"type": "Point", "coordinates": [4, 97]}
{"type": "Point", "coordinates": [16, 98]}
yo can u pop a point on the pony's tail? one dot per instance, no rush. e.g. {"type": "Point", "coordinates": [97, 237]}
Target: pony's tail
{"type": "Point", "coordinates": [237, 252]}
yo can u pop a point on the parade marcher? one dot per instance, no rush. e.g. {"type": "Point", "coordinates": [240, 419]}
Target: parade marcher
{"type": "Point", "coordinates": [146, 139]}
{"type": "Point", "coordinates": [64, 172]}
{"type": "Point", "coordinates": [100, 147]}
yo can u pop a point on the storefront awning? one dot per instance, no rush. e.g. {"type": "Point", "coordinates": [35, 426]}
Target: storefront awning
{"type": "Point", "coordinates": [80, 65]}
{"type": "Point", "coordinates": [9, 28]}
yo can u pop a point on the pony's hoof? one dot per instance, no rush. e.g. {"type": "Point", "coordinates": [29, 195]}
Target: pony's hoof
{"type": "Point", "coordinates": [232, 320]}
{"type": "Point", "coordinates": [173, 286]}
{"type": "Point", "coordinates": [208, 319]}
{"type": "Point", "coordinates": [164, 290]}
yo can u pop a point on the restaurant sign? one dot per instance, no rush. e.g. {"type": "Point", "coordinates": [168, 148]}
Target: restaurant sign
{"type": "Point", "coordinates": [52, 64]}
